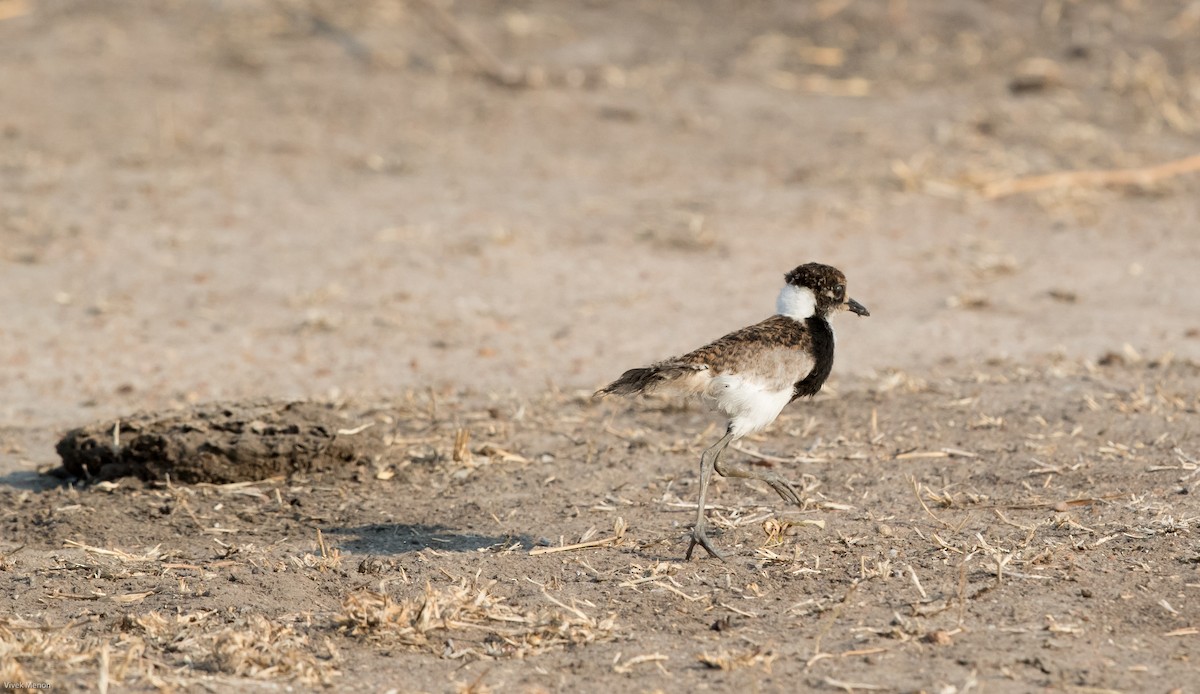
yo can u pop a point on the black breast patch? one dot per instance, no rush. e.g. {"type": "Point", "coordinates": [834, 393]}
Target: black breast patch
{"type": "Point", "coordinates": [821, 349]}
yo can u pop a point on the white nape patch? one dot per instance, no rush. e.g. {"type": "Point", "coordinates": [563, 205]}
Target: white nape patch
{"type": "Point", "coordinates": [796, 302]}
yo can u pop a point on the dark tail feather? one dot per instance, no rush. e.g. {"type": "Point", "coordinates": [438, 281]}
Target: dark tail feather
{"type": "Point", "coordinates": [646, 378]}
{"type": "Point", "coordinates": [632, 382]}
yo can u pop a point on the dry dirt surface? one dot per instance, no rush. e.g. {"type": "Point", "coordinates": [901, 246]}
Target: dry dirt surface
{"type": "Point", "coordinates": [1021, 528]}
{"type": "Point", "coordinates": [312, 296]}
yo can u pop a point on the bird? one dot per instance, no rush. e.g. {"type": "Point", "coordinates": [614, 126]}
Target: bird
{"type": "Point", "coordinates": [751, 374]}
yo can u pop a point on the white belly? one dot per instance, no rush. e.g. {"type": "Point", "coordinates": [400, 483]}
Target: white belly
{"type": "Point", "coordinates": [751, 405]}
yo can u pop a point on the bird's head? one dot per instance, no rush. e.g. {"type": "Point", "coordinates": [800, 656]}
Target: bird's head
{"type": "Point", "coordinates": [816, 289]}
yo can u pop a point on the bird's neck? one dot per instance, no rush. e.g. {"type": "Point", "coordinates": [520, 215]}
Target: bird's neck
{"type": "Point", "coordinates": [822, 354]}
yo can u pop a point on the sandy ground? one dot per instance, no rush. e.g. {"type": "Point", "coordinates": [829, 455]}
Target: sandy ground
{"type": "Point", "coordinates": [332, 201]}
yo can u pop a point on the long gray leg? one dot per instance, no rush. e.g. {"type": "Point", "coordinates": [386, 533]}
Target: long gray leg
{"type": "Point", "coordinates": [708, 462]}
{"type": "Point", "coordinates": [782, 487]}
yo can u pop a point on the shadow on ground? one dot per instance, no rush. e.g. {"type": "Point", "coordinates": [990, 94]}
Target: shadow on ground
{"type": "Point", "coordinates": [402, 538]}
{"type": "Point", "coordinates": [32, 480]}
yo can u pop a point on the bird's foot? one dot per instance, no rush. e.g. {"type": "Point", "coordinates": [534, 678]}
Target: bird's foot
{"type": "Point", "coordinates": [700, 538]}
{"type": "Point", "coordinates": [784, 488]}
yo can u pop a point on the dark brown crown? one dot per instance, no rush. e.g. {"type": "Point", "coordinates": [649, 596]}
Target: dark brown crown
{"type": "Point", "coordinates": [827, 283]}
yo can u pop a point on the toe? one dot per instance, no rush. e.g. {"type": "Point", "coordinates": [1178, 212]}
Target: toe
{"type": "Point", "coordinates": [786, 491]}
{"type": "Point", "coordinates": [700, 538]}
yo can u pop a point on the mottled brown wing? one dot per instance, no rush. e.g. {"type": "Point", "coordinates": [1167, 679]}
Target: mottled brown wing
{"type": "Point", "coordinates": [739, 348]}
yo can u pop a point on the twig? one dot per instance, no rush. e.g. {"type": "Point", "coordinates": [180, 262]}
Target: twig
{"type": "Point", "coordinates": [1004, 519]}
{"type": "Point", "coordinates": [1096, 178]}
{"type": "Point", "coordinates": [680, 593]}
{"type": "Point", "coordinates": [917, 491]}
{"type": "Point", "coordinates": [356, 430]}
{"type": "Point", "coordinates": [743, 613]}
{"type": "Point", "coordinates": [571, 608]}
{"type": "Point", "coordinates": [861, 651]}
{"type": "Point", "coordinates": [1056, 505]}
{"type": "Point", "coordinates": [123, 556]}
{"type": "Point", "coordinates": [855, 686]}
{"type": "Point", "coordinates": [491, 449]}
{"type": "Point", "coordinates": [495, 69]}
{"type": "Point", "coordinates": [917, 582]}
{"type": "Point", "coordinates": [627, 666]}
{"type": "Point", "coordinates": [618, 534]}
{"type": "Point", "coordinates": [236, 486]}
{"type": "Point", "coordinates": [102, 683]}
{"type": "Point", "coordinates": [778, 459]}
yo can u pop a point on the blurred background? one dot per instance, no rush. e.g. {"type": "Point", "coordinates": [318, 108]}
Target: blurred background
{"type": "Point", "coordinates": [207, 200]}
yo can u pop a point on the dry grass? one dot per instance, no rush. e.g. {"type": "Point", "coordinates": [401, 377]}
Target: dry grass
{"type": "Point", "coordinates": [254, 647]}
{"type": "Point", "coordinates": [173, 650]}
{"type": "Point", "coordinates": [148, 649]}
{"type": "Point", "coordinates": [481, 623]}
{"type": "Point", "coordinates": [736, 660]}
{"type": "Point", "coordinates": [27, 643]}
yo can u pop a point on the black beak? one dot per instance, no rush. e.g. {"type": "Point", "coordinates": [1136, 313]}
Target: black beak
{"type": "Point", "coordinates": [857, 308]}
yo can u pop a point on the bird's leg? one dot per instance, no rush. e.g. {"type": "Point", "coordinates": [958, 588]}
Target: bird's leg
{"type": "Point", "coordinates": [708, 462]}
{"type": "Point", "coordinates": [782, 487]}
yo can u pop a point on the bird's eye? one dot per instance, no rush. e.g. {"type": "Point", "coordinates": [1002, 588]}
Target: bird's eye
{"type": "Point", "coordinates": [840, 289]}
